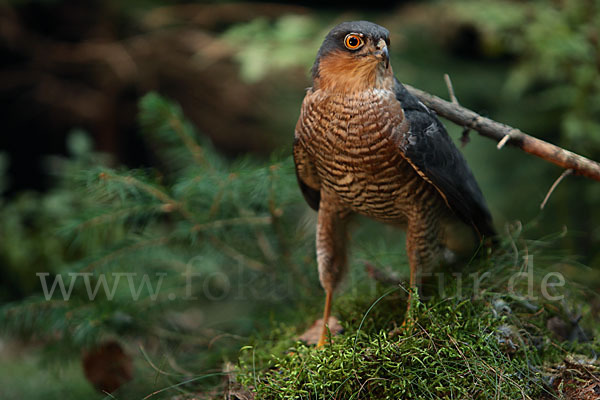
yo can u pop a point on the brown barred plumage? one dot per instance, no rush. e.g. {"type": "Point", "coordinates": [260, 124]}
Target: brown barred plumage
{"type": "Point", "coordinates": [358, 149]}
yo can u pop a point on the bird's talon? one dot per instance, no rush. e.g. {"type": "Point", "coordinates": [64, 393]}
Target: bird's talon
{"type": "Point", "coordinates": [405, 327]}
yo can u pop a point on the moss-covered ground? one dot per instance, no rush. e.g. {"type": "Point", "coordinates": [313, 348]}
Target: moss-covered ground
{"type": "Point", "coordinates": [492, 335]}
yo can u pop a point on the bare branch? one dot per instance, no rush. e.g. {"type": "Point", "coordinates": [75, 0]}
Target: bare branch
{"type": "Point", "coordinates": [504, 133]}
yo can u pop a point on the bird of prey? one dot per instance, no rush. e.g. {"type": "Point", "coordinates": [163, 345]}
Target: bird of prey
{"type": "Point", "coordinates": [364, 145]}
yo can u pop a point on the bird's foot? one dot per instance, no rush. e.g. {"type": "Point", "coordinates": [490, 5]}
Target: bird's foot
{"type": "Point", "coordinates": [409, 318]}
{"type": "Point", "coordinates": [317, 335]}
{"type": "Point", "coordinates": [405, 327]}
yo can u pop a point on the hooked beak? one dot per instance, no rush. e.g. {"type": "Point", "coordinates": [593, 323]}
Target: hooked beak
{"type": "Point", "coordinates": [382, 53]}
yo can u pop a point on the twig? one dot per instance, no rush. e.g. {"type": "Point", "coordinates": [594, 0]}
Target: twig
{"type": "Point", "coordinates": [498, 131]}
{"type": "Point", "coordinates": [169, 203]}
{"type": "Point", "coordinates": [554, 185]}
{"type": "Point", "coordinates": [154, 367]}
{"type": "Point", "coordinates": [123, 250]}
{"type": "Point", "coordinates": [255, 220]}
{"type": "Point", "coordinates": [239, 257]}
{"type": "Point", "coordinates": [502, 142]}
{"type": "Point", "coordinates": [193, 147]}
{"type": "Point", "coordinates": [464, 138]}
{"type": "Point", "coordinates": [453, 98]}
{"type": "Point", "coordinates": [223, 335]}
{"type": "Point", "coordinates": [177, 367]}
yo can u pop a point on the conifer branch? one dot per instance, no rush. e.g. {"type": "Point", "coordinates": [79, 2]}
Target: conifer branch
{"type": "Point", "coordinates": [232, 222]}
{"type": "Point", "coordinates": [194, 148]}
{"type": "Point", "coordinates": [505, 134]}
{"type": "Point", "coordinates": [276, 214]}
{"type": "Point", "coordinates": [169, 203]}
{"type": "Point", "coordinates": [236, 255]}
{"type": "Point", "coordinates": [113, 216]}
{"type": "Point", "coordinates": [214, 208]}
{"type": "Point", "coordinates": [113, 255]}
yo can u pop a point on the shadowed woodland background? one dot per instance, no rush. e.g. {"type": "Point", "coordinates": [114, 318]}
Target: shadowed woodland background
{"type": "Point", "coordinates": [72, 74]}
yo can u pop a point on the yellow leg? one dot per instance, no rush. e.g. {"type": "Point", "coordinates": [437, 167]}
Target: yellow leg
{"type": "Point", "coordinates": [414, 284]}
{"type": "Point", "coordinates": [326, 313]}
{"type": "Point", "coordinates": [408, 317]}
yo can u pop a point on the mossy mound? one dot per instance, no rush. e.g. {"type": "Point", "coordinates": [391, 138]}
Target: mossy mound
{"type": "Point", "coordinates": [481, 340]}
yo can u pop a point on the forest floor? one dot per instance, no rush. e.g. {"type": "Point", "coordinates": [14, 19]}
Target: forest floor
{"type": "Point", "coordinates": [482, 339]}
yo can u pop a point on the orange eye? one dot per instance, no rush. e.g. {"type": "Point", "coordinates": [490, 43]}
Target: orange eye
{"type": "Point", "coordinates": [353, 41]}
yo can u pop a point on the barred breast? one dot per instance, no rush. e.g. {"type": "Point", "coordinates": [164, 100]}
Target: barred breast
{"type": "Point", "coordinates": [353, 143]}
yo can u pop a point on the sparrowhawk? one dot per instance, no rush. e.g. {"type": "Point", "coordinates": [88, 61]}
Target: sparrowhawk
{"type": "Point", "coordinates": [363, 144]}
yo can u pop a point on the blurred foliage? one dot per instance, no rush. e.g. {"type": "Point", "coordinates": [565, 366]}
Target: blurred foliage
{"type": "Point", "coordinates": [557, 50]}
{"type": "Point", "coordinates": [30, 221]}
{"type": "Point", "coordinates": [202, 248]}
{"type": "Point", "coordinates": [263, 47]}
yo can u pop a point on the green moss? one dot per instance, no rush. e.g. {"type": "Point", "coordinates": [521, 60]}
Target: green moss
{"type": "Point", "coordinates": [478, 342]}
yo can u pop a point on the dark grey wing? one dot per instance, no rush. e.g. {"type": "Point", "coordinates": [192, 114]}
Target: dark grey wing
{"type": "Point", "coordinates": [430, 150]}
{"type": "Point", "coordinates": [307, 177]}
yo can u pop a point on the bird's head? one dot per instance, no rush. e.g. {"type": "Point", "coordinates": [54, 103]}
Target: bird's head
{"type": "Point", "coordinates": [354, 57]}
